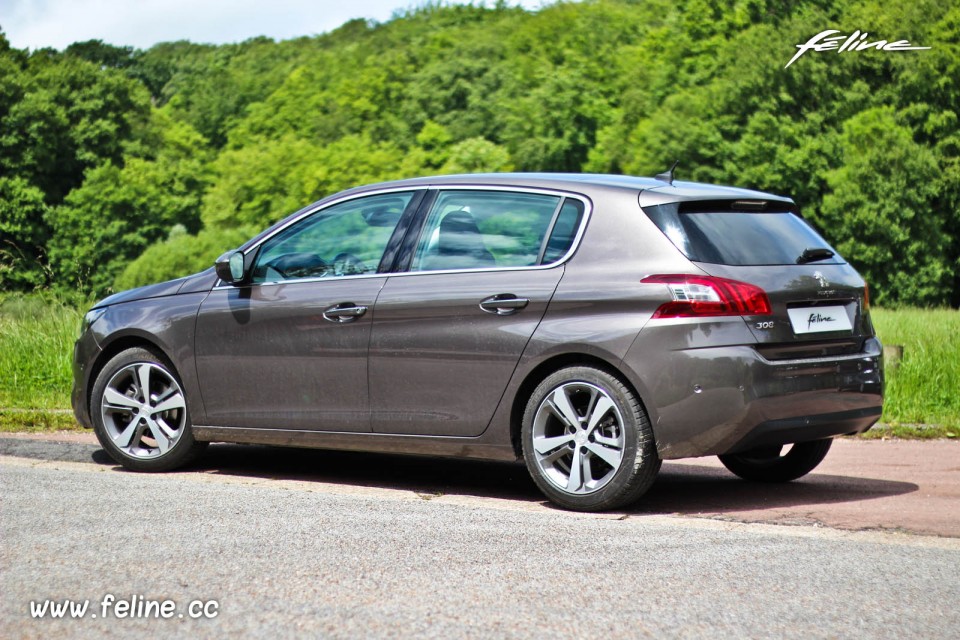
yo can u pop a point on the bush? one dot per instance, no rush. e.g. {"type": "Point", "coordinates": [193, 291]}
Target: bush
{"type": "Point", "coordinates": [179, 255]}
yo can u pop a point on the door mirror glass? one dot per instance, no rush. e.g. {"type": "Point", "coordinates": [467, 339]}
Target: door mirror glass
{"type": "Point", "coordinates": [230, 267]}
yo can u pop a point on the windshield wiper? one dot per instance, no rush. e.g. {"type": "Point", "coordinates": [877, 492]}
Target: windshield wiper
{"type": "Point", "coordinates": [812, 255]}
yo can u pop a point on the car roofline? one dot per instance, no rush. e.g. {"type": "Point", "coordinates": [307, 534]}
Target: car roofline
{"type": "Point", "coordinates": [576, 182]}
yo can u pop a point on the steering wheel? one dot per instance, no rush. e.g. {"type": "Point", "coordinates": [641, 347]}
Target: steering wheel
{"type": "Point", "coordinates": [299, 265]}
{"type": "Point", "coordinates": [347, 264]}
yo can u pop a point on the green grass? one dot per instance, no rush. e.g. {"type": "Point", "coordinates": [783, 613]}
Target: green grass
{"type": "Point", "coordinates": [924, 389]}
{"type": "Point", "coordinates": [34, 420]}
{"type": "Point", "coordinates": [37, 334]}
{"type": "Point", "coordinates": [36, 346]}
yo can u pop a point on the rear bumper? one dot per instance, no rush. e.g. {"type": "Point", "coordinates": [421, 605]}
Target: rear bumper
{"type": "Point", "coordinates": [818, 427]}
{"type": "Point", "coordinates": [716, 400]}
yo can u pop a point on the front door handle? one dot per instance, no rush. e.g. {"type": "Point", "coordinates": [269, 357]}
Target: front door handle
{"type": "Point", "coordinates": [344, 312]}
{"type": "Point", "coordinates": [503, 304]}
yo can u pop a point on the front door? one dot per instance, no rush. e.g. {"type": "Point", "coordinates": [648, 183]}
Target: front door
{"type": "Point", "coordinates": [288, 350]}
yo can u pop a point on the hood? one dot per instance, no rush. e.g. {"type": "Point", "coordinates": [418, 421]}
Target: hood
{"type": "Point", "coordinates": [202, 281]}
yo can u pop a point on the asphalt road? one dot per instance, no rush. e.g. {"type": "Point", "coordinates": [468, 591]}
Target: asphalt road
{"type": "Point", "coordinates": [288, 542]}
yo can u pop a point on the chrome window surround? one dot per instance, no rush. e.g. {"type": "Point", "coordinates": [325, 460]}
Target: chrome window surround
{"type": "Point", "coordinates": [587, 212]}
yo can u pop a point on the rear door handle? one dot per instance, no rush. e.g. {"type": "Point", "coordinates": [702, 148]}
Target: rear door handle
{"type": "Point", "coordinates": [503, 304]}
{"type": "Point", "coordinates": [344, 312]}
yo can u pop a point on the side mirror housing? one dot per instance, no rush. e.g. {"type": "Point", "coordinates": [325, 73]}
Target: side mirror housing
{"type": "Point", "coordinates": [230, 267]}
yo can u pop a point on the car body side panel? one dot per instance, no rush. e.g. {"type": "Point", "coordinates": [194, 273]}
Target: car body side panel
{"type": "Point", "coordinates": [168, 323]}
{"type": "Point", "coordinates": [438, 362]}
{"type": "Point", "coordinates": [482, 448]}
{"type": "Point", "coordinates": [267, 357]}
{"type": "Point", "coordinates": [620, 247]}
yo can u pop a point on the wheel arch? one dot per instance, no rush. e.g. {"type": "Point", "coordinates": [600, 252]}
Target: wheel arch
{"type": "Point", "coordinates": [114, 347]}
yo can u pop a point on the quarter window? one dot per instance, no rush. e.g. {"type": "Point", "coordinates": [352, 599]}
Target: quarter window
{"type": "Point", "coordinates": [495, 229]}
{"type": "Point", "coordinates": [344, 239]}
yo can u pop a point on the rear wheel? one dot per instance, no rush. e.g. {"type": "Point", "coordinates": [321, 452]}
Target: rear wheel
{"type": "Point", "coordinates": [587, 442]}
{"type": "Point", "coordinates": [771, 464]}
{"type": "Point", "coordinates": [140, 413]}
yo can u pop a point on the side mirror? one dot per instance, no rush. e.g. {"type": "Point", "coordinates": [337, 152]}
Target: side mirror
{"type": "Point", "coordinates": [230, 267]}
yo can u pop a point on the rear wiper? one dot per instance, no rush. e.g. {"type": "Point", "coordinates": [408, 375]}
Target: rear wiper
{"type": "Point", "coordinates": [812, 255]}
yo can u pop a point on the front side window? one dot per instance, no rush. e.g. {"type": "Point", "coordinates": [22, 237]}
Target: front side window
{"type": "Point", "coordinates": [494, 229]}
{"type": "Point", "coordinates": [344, 239]}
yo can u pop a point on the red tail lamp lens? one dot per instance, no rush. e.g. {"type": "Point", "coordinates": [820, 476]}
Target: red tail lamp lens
{"type": "Point", "coordinates": [699, 296]}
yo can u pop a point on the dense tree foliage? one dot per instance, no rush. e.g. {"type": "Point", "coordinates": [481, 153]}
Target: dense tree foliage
{"type": "Point", "coordinates": [120, 167]}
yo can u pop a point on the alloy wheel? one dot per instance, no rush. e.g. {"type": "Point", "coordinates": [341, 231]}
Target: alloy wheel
{"type": "Point", "coordinates": [143, 410]}
{"type": "Point", "coordinates": [578, 437]}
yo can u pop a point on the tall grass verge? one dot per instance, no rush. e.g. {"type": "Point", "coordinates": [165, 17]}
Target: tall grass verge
{"type": "Point", "coordinates": [924, 388]}
{"type": "Point", "coordinates": [36, 347]}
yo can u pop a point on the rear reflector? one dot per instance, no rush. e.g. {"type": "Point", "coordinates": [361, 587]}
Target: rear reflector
{"type": "Point", "coordinates": [698, 296]}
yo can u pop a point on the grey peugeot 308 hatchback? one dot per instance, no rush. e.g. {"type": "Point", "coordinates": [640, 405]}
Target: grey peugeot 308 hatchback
{"type": "Point", "coordinates": [590, 325]}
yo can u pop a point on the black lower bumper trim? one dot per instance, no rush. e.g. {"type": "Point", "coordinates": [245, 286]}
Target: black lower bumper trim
{"type": "Point", "coordinates": [790, 430]}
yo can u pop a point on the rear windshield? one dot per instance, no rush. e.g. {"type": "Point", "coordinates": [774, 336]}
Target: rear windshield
{"type": "Point", "coordinates": [738, 238]}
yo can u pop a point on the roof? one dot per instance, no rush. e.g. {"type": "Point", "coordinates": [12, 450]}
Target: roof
{"type": "Point", "coordinates": [578, 182]}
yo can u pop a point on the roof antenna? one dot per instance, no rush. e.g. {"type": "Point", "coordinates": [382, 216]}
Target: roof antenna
{"type": "Point", "coordinates": [667, 176]}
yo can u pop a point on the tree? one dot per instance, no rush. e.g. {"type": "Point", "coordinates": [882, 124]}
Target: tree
{"type": "Point", "coordinates": [119, 211]}
{"type": "Point", "coordinates": [22, 235]}
{"type": "Point", "coordinates": [880, 211]}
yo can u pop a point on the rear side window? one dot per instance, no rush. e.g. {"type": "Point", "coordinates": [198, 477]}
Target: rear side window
{"type": "Point", "coordinates": [564, 231]}
{"type": "Point", "coordinates": [481, 229]}
{"type": "Point", "coordinates": [738, 238]}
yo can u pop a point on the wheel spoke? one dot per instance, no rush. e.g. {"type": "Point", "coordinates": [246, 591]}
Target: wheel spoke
{"type": "Point", "coordinates": [551, 459]}
{"type": "Point", "coordinates": [611, 456]}
{"type": "Point", "coordinates": [575, 481]}
{"type": "Point", "coordinates": [143, 380]}
{"type": "Point", "coordinates": [125, 437]}
{"type": "Point", "coordinates": [600, 409]}
{"type": "Point", "coordinates": [119, 400]}
{"type": "Point", "coordinates": [163, 440]}
{"type": "Point", "coordinates": [560, 402]}
{"type": "Point", "coordinates": [161, 424]}
{"type": "Point", "coordinates": [173, 402]}
{"type": "Point", "coordinates": [544, 446]}
{"type": "Point", "coordinates": [605, 441]}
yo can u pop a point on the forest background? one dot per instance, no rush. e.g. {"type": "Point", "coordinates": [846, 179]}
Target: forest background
{"type": "Point", "coordinates": [120, 166]}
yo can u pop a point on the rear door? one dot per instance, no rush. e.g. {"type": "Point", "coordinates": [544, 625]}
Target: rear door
{"type": "Point", "coordinates": [451, 327]}
{"type": "Point", "coordinates": [817, 299]}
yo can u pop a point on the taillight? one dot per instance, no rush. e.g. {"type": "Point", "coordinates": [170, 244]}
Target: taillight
{"type": "Point", "coordinates": [695, 296]}
{"type": "Point", "coordinates": [866, 297]}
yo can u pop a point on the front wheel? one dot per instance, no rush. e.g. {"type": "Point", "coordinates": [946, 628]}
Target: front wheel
{"type": "Point", "coordinates": [770, 464]}
{"type": "Point", "coordinates": [140, 413]}
{"type": "Point", "coordinates": [587, 442]}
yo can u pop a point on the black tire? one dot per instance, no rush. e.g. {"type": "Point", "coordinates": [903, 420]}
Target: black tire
{"type": "Point", "coordinates": [621, 433]}
{"type": "Point", "coordinates": [125, 412]}
{"type": "Point", "coordinates": [769, 465]}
